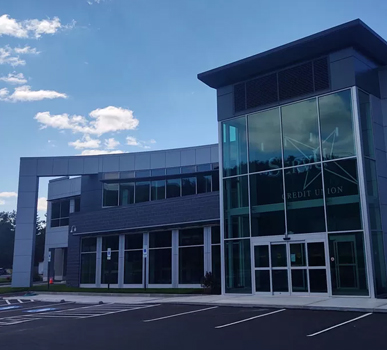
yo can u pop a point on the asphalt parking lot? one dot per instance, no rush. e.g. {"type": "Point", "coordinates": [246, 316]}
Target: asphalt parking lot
{"type": "Point", "coordinates": [38, 326]}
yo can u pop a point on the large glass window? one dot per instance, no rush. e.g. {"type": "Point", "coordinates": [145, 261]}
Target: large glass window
{"type": "Point", "coordinates": [236, 206]}
{"type": "Point", "coordinates": [191, 256]}
{"type": "Point", "coordinates": [215, 256]}
{"type": "Point", "coordinates": [133, 259]}
{"type": "Point", "coordinates": [188, 185]}
{"type": "Point", "coordinates": [127, 193]}
{"type": "Point", "coordinates": [300, 133]}
{"type": "Point", "coordinates": [342, 195]}
{"type": "Point", "coordinates": [157, 190]}
{"type": "Point", "coordinates": [336, 125]}
{"type": "Point", "coordinates": [88, 260]}
{"type": "Point", "coordinates": [264, 141]}
{"type": "Point", "coordinates": [366, 124]}
{"type": "Point", "coordinates": [60, 212]}
{"type": "Point", "coordinates": [234, 147]}
{"type": "Point", "coordinates": [142, 191]}
{"type": "Point", "coordinates": [110, 195]}
{"type": "Point", "coordinates": [304, 199]}
{"type": "Point", "coordinates": [173, 188]}
{"type": "Point", "coordinates": [204, 183]}
{"type": "Point", "coordinates": [238, 266]}
{"type": "Point", "coordinates": [267, 204]}
{"type": "Point", "coordinates": [160, 257]}
{"type": "Point", "coordinates": [109, 268]}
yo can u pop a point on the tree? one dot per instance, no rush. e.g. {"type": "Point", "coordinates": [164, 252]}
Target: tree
{"type": "Point", "coordinates": [7, 239]}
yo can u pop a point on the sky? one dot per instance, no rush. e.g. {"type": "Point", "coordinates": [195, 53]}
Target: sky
{"type": "Point", "coordinates": [109, 76]}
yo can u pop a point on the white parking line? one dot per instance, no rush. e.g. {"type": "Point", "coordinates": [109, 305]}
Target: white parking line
{"type": "Point", "coordinates": [338, 325]}
{"type": "Point", "coordinates": [8, 302]}
{"type": "Point", "coordinates": [249, 319]}
{"type": "Point", "coordinates": [122, 310]}
{"type": "Point", "coordinates": [20, 301]}
{"type": "Point", "coordinates": [183, 313]}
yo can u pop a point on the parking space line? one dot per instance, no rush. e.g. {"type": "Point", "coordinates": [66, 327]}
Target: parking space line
{"type": "Point", "coordinates": [180, 314]}
{"type": "Point", "coordinates": [339, 325]}
{"type": "Point", "coordinates": [20, 301]}
{"type": "Point", "coordinates": [8, 302]}
{"type": "Point", "coordinates": [249, 319]}
{"type": "Point", "coordinates": [122, 310]}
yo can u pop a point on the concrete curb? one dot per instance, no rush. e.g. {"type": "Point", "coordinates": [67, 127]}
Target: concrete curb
{"type": "Point", "coordinates": [145, 295]}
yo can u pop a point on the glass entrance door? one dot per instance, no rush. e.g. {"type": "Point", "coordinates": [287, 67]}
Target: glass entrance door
{"type": "Point", "coordinates": [348, 264]}
{"type": "Point", "coordinates": [290, 267]}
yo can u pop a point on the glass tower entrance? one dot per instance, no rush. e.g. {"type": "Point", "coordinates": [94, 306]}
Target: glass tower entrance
{"type": "Point", "coordinates": [291, 200]}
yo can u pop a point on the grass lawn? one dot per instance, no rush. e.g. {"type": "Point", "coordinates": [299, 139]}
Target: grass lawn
{"type": "Point", "coordinates": [64, 288]}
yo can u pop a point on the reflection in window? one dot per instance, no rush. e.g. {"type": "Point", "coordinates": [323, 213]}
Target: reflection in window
{"type": "Point", "coordinates": [304, 199]}
{"type": "Point", "coordinates": [109, 268]}
{"type": "Point", "coordinates": [191, 236]}
{"type": "Point", "coordinates": [191, 265]}
{"type": "Point", "coordinates": [160, 266]}
{"type": "Point", "coordinates": [236, 206]}
{"type": "Point", "coordinates": [88, 265]}
{"type": "Point", "coordinates": [127, 193]}
{"type": "Point", "coordinates": [60, 211]}
{"type": "Point", "coordinates": [300, 133]}
{"type": "Point", "coordinates": [110, 195]}
{"type": "Point", "coordinates": [89, 244]}
{"type": "Point", "coordinates": [238, 266]}
{"type": "Point", "coordinates": [264, 141]}
{"type": "Point", "coordinates": [267, 204]}
{"type": "Point", "coordinates": [173, 188]}
{"type": "Point", "coordinates": [234, 147]}
{"type": "Point", "coordinates": [142, 191]}
{"type": "Point", "coordinates": [160, 239]}
{"type": "Point", "coordinates": [372, 194]}
{"type": "Point", "coordinates": [157, 190]}
{"type": "Point", "coordinates": [133, 267]}
{"type": "Point", "coordinates": [188, 186]}
{"type": "Point", "coordinates": [336, 125]}
{"type": "Point", "coordinates": [342, 195]}
{"type": "Point", "coordinates": [204, 183]}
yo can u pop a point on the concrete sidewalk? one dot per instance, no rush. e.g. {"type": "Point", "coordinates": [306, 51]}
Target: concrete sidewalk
{"type": "Point", "coordinates": [294, 302]}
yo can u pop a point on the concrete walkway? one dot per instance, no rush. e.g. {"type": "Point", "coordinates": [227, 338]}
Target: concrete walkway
{"type": "Point", "coordinates": [294, 302]}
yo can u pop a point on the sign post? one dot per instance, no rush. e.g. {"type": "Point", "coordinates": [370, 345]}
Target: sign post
{"type": "Point", "coordinates": [48, 269]}
{"type": "Point", "coordinates": [145, 255]}
{"type": "Point", "coordinates": [109, 258]}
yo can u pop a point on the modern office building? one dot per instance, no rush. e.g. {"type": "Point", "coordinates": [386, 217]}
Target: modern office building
{"type": "Point", "coordinates": [302, 201]}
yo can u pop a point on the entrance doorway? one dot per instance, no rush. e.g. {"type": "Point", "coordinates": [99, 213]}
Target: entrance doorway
{"type": "Point", "coordinates": [347, 264]}
{"type": "Point", "coordinates": [291, 267]}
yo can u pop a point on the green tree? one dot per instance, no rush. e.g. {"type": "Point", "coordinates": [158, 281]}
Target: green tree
{"type": "Point", "coordinates": [7, 238]}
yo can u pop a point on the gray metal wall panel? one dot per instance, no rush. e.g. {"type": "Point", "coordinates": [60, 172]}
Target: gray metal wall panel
{"type": "Point", "coordinates": [342, 74]}
{"type": "Point", "coordinates": [91, 198]}
{"type": "Point", "coordinates": [225, 106]}
{"type": "Point", "coordinates": [203, 207]}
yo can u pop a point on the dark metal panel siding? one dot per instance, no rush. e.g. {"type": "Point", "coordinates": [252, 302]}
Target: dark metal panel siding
{"type": "Point", "coordinates": [198, 208]}
{"type": "Point", "coordinates": [91, 193]}
{"type": "Point", "coordinates": [73, 260]}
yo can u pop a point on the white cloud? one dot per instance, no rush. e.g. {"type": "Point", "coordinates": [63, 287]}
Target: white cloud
{"type": "Point", "coordinates": [2, 202]}
{"type": "Point", "coordinates": [111, 143]}
{"type": "Point", "coordinates": [152, 141]}
{"type": "Point", "coordinates": [6, 57]}
{"type": "Point", "coordinates": [132, 141]}
{"type": "Point", "coordinates": [94, 152]}
{"type": "Point", "coordinates": [42, 204]}
{"type": "Point", "coordinates": [8, 194]}
{"type": "Point", "coordinates": [3, 93]}
{"type": "Point", "coordinates": [14, 78]}
{"type": "Point", "coordinates": [26, 50]}
{"type": "Point", "coordinates": [31, 28]}
{"type": "Point", "coordinates": [86, 142]}
{"type": "Point", "coordinates": [24, 93]}
{"type": "Point", "coordinates": [91, 2]}
{"type": "Point", "coordinates": [105, 120]}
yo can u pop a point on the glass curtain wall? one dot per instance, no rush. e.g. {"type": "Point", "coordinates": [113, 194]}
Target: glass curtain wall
{"type": "Point", "coordinates": [109, 268]}
{"type": "Point", "coordinates": [88, 260]}
{"type": "Point", "coordinates": [160, 257]}
{"type": "Point", "coordinates": [133, 259]}
{"type": "Point", "coordinates": [287, 171]}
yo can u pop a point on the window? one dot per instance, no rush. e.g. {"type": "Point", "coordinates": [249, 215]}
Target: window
{"type": "Point", "coordinates": [173, 188]}
{"type": "Point", "coordinates": [173, 171]}
{"type": "Point", "coordinates": [191, 256]}
{"type": "Point", "coordinates": [158, 172]}
{"type": "Point", "coordinates": [109, 268]}
{"type": "Point", "coordinates": [157, 190]}
{"type": "Point", "coordinates": [133, 260]}
{"type": "Point", "coordinates": [188, 169]}
{"type": "Point", "coordinates": [188, 186]}
{"type": "Point", "coordinates": [142, 191]}
{"type": "Point", "coordinates": [204, 183]}
{"type": "Point", "coordinates": [265, 141]}
{"type": "Point", "coordinates": [88, 260]}
{"type": "Point", "coordinates": [160, 257]}
{"type": "Point", "coordinates": [110, 195]}
{"type": "Point", "coordinates": [127, 193]}
{"type": "Point", "coordinates": [234, 147]}
{"type": "Point", "coordinates": [203, 167]}
{"type": "Point", "coordinates": [60, 211]}
{"type": "Point", "coordinates": [143, 173]}
{"type": "Point", "coordinates": [215, 255]}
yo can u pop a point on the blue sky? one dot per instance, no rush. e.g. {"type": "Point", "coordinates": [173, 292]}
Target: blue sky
{"type": "Point", "coordinates": [126, 69]}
